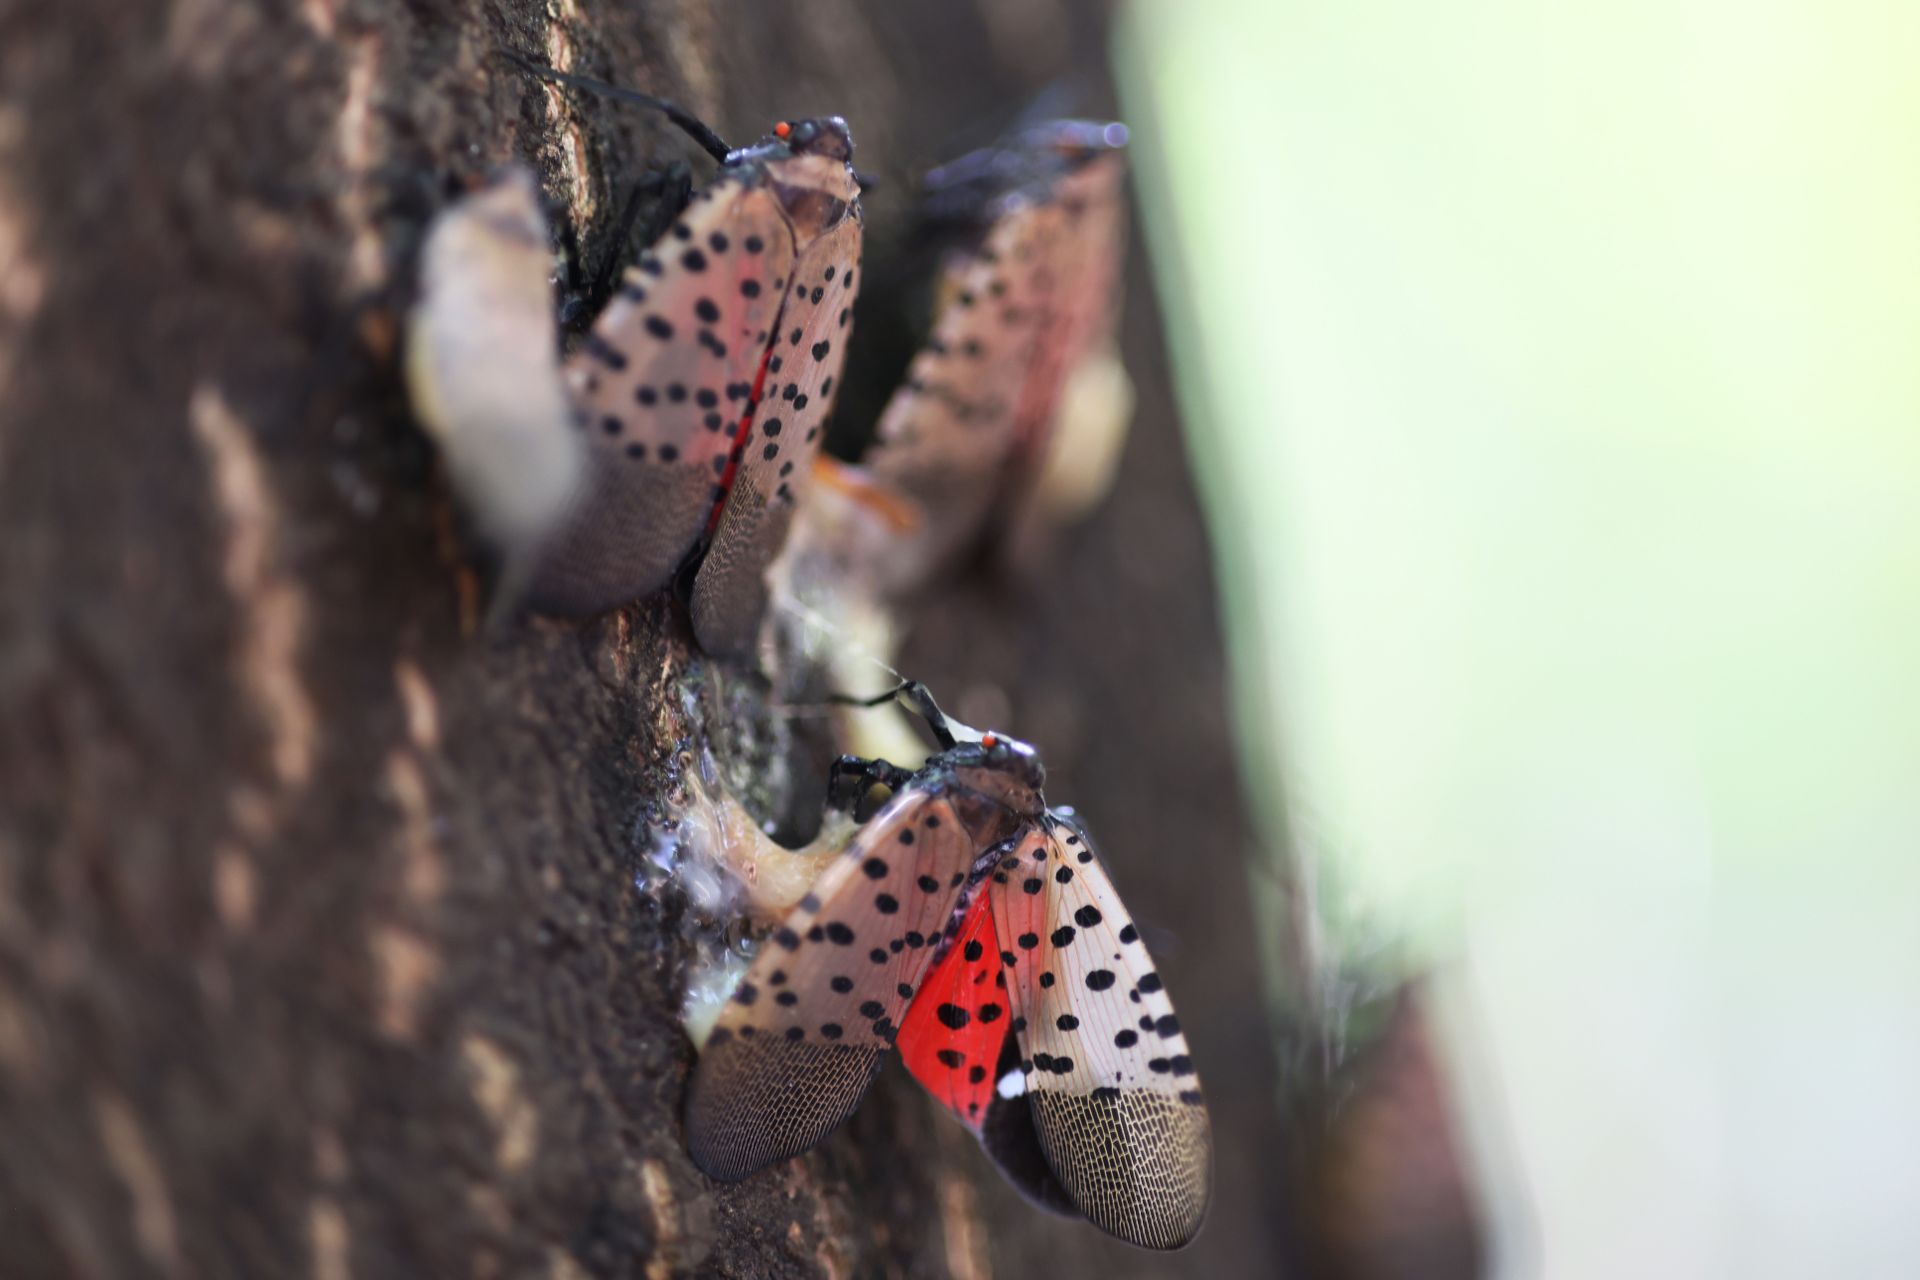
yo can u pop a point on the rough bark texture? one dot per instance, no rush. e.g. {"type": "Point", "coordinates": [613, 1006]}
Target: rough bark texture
{"type": "Point", "coordinates": [320, 947]}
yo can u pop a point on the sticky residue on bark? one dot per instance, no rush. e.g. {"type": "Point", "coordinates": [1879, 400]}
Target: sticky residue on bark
{"type": "Point", "coordinates": [728, 865]}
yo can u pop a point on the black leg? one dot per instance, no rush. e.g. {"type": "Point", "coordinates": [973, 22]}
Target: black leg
{"type": "Point", "coordinates": [850, 778]}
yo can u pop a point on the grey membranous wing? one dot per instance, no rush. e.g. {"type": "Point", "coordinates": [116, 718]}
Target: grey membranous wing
{"type": "Point", "coordinates": [1111, 1087]}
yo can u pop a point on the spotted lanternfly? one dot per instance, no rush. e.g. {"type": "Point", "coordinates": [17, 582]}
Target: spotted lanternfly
{"type": "Point", "coordinates": [1019, 311]}
{"type": "Point", "coordinates": [977, 929]}
{"type": "Point", "coordinates": [703, 388]}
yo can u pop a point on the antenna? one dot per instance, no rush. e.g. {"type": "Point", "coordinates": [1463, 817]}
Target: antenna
{"type": "Point", "coordinates": [690, 124]}
{"type": "Point", "coordinates": [916, 698]}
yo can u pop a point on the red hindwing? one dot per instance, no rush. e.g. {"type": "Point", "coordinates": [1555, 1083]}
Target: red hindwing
{"type": "Point", "coordinates": [955, 1027]}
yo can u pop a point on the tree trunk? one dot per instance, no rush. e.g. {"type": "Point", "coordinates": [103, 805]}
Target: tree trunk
{"type": "Point", "coordinates": [321, 949]}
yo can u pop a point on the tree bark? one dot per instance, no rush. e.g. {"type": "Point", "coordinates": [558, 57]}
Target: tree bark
{"type": "Point", "coordinates": [321, 950]}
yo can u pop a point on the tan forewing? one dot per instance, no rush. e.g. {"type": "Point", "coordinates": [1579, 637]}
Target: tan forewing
{"type": "Point", "coordinates": [946, 436]}
{"type": "Point", "coordinates": [808, 1029]}
{"type": "Point", "coordinates": [1075, 405]}
{"type": "Point", "coordinates": [803, 373]}
{"type": "Point", "coordinates": [1085, 219]}
{"type": "Point", "coordinates": [659, 387]}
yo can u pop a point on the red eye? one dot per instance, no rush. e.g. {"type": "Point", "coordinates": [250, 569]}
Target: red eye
{"type": "Point", "coordinates": [782, 129]}
{"type": "Point", "coordinates": [987, 739]}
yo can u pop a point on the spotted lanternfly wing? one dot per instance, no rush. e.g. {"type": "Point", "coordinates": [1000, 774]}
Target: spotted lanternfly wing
{"type": "Point", "coordinates": [669, 387]}
{"type": "Point", "coordinates": [806, 351]}
{"type": "Point", "coordinates": [959, 1043]}
{"type": "Point", "coordinates": [1112, 1091]}
{"type": "Point", "coordinates": [1056, 472]}
{"type": "Point", "coordinates": [1089, 1106]}
{"type": "Point", "coordinates": [660, 388]}
{"type": "Point", "coordinates": [810, 1026]}
{"type": "Point", "coordinates": [953, 1033]}
{"type": "Point", "coordinates": [1018, 312]}
{"type": "Point", "coordinates": [946, 435]}
{"type": "Point", "coordinates": [1082, 308]}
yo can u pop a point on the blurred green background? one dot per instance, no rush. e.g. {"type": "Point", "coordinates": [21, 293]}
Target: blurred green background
{"type": "Point", "coordinates": [1551, 374]}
